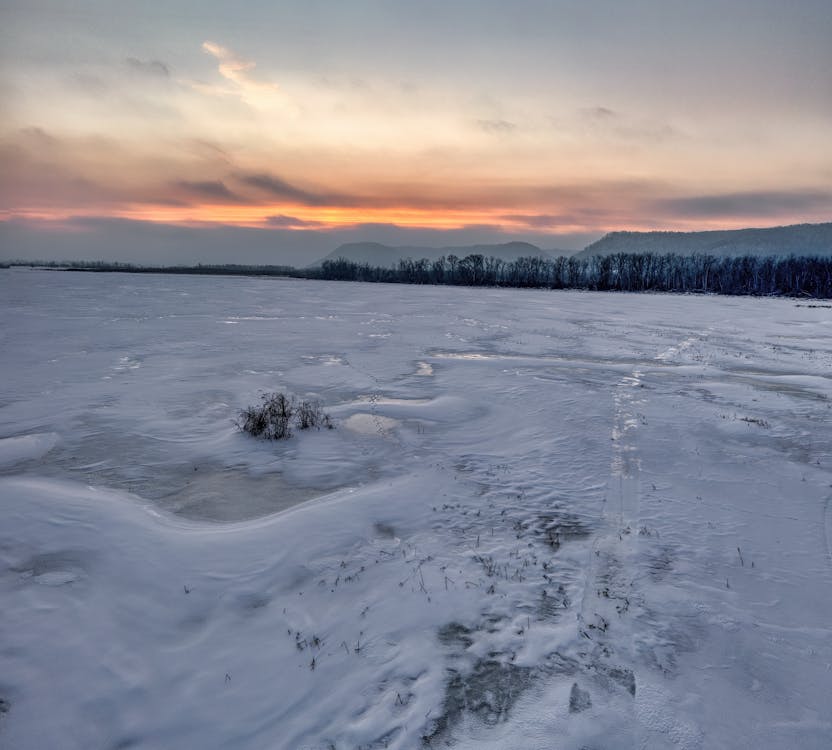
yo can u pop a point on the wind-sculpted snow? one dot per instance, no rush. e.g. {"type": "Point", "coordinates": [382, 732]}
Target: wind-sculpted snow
{"type": "Point", "coordinates": [544, 520]}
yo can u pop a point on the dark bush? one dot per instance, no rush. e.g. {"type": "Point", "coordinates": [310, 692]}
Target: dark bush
{"type": "Point", "coordinates": [271, 420]}
{"type": "Point", "coordinates": [311, 414]}
{"type": "Point", "coordinates": [274, 417]}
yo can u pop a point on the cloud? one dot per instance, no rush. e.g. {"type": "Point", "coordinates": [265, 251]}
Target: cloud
{"type": "Point", "coordinates": [281, 221]}
{"type": "Point", "coordinates": [497, 127]}
{"type": "Point", "coordinates": [43, 171]}
{"type": "Point", "coordinates": [599, 113]}
{"type": "Point", "coordinates": [89, 84]}
{"type": "Point", "coordinates": [605, 122]}
{"type": "Point", "coordinates": [151, 243]}
{"type": "Point", "coordinates": [38, 172]}
{"type": "Point", "coordinates": [236, 69]}
{"type": "Point", "coordinates": [154, 68]}
{"type": "Point", "coordinates": [107, 238]}
{"type": "Point", "coordinates": [210, 189]}
{"type": "Point", "coordinates": [210, 151]}
{"type": "Point", "coordinates": [533, 220]}
{"type": "Point", "coordinates": [757, 203]}
{"type": "Point", "coordinates": [33, 135]}
{"type": "Point", "coordinates": [241, 83]}
{"type": "Point", "coordinates": [277, 187]}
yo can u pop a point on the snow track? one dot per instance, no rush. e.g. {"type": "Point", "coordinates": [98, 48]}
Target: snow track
{"type": "Point", "coordinates": [611, 596]}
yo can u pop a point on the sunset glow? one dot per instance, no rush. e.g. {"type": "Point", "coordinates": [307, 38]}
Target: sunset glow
{"type": "Point", "coordinates": [548, 122]}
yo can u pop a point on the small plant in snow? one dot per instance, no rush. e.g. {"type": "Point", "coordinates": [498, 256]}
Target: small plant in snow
{"type": "Point", "coordinates": [277, 413]}
{"type": "Point", "coordinates": [271, 420]}
{"type": "Point", "coordinates": [310, 414]}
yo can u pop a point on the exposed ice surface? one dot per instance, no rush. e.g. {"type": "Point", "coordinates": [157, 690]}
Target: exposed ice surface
{"type": "Point", "coordinates": [545, 520]}
{"type": "Point", "coordinates": [14, 450]}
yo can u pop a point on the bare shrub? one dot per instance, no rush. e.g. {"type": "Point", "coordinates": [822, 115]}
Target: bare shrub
{"type": "Point", "coordinates": [271, 420]}
{"type": "Point", "coordinates": [274, 417]}
{"type": "Point", "coordinates": [309, 415]}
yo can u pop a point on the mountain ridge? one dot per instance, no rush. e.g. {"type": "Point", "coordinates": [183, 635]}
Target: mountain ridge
{"type": "Point", "coordinates": [794, 239]}
{"type": "Point", "coordinates": [378, 254]}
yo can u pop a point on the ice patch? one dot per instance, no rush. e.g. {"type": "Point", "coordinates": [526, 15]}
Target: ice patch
{"type": "Point", "coordinates": [127, 363]}
{"type": "Point", "coordinates": [328, 360]}
{"type": "Point", "coordinates": [364, 423]}
{"type": "Point", "coordinates": [237, 318]}
{"type": "Point", "coordinates": [231, 495]}
{"type": "Point", "coordinates": [674, 351]}
{"type": "Point", "coordinates": [13, 450]}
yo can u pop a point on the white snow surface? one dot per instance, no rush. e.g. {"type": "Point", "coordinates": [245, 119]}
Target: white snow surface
{"type": "Point", "coordinates": [544, 520]}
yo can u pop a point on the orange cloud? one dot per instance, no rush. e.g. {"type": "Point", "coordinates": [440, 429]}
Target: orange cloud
{"type": "Point", "coordinates": [233, 67]}
{"type": "Point", "coordinates": [56, 177]}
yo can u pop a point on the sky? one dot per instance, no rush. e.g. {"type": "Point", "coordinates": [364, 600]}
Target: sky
{"type": "Point", "coordinates": [261, 131]}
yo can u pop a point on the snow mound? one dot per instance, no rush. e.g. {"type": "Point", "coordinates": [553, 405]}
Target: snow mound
{"type": "Point", "coordinates": [14, 450]}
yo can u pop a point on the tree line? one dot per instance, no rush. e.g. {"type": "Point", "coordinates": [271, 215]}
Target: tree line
{"type": "Point", "coordinates": [630, 272]}
{"type": "Point", "coordinates": [105, 266]}
{"type": "Point", "coordinates": [622, 272]}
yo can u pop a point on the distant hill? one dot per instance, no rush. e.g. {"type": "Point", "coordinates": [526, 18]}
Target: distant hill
{"type": "Point", "coordinates": [376, 254]}
{"type": "Point", "coordinates": [798, 239]}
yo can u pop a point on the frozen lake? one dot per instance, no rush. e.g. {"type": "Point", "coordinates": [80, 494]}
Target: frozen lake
{"type": "Point", "coordinates": [545, 519]}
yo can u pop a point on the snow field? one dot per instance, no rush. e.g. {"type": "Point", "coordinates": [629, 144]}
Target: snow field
{"type": "Point", "coordinates": [545, 519]}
